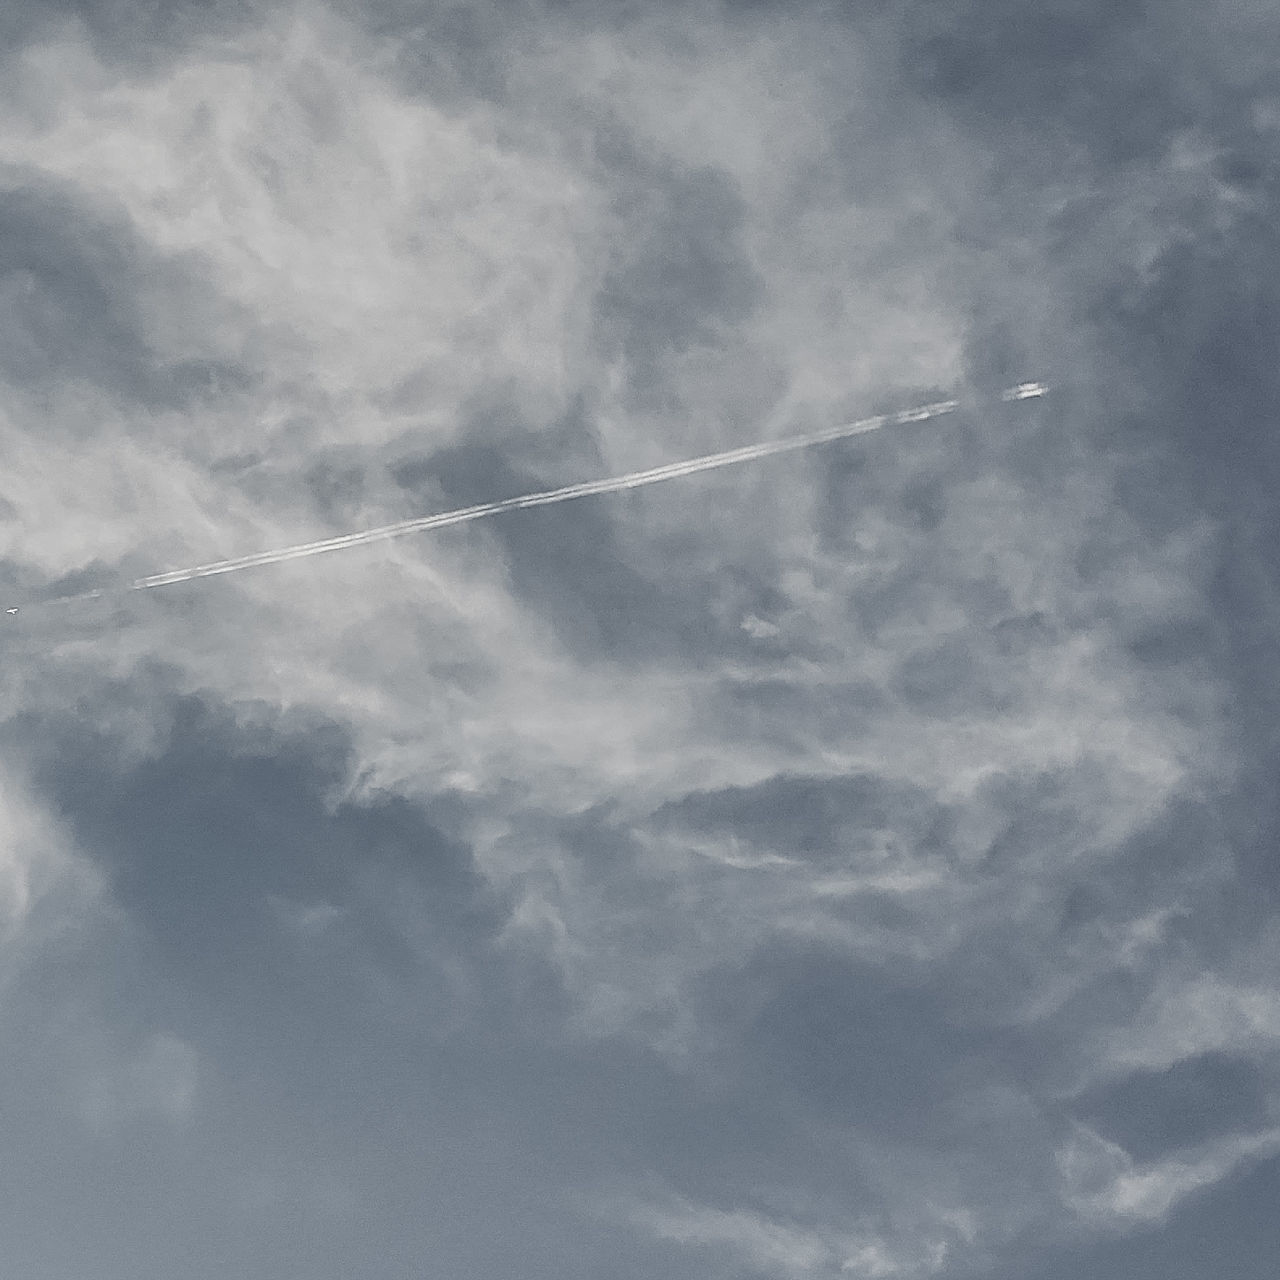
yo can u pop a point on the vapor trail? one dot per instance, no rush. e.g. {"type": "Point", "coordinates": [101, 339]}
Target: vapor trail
{"type": "Point", "coordinates": [549, 497]}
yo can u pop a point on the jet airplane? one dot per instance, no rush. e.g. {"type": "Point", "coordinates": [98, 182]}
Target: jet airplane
{"type": "Point", "coordinates": [1024, 391]}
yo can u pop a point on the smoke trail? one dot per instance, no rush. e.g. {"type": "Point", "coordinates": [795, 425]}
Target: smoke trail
{"type": "Point", "coordinates": [549, 497]}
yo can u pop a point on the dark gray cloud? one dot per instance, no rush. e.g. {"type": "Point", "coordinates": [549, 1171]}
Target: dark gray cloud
{"type": "Point", "coordinates": [207, 844]}
{"type": "Point", "coordinates": [608, 588]}
{"type": "Point", "coordinates": [311, 959]}
{"type": "Point", "coordinates": [1029, 71]}
{"type": "Point", "coordinates": [683, 272]}
{"type": "Point", "coordinates": [75, 285]}
{"type": "Point", "coordinates": [1153, 1112]}
{"type": "Point", "coordinates": [122, 32]}
{"type": "Point", "coordinates": [850, 1044]}
{"type": "Point", "coordinates": [817, 818]}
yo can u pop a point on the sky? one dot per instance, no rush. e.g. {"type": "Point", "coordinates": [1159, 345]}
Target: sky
{"type": "Point", "coordinates": [856, 863]}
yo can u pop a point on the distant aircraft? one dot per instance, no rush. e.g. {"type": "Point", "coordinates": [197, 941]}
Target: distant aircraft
{"type": "Point", "coordinates": [1025, 391]}
{"type": "Point", "coordinates": [11, 611]}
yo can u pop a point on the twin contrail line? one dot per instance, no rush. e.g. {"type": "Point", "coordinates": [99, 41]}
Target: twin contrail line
{"type": "Point", "coordinates": [583, 489]}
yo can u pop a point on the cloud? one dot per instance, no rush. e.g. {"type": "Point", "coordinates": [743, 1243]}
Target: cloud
{"type": "Point", "coordinates": [160, 1078]}
{"type": "Point", "coordinates": [1103, 1183]}
{"type": "Point", "coordinates": [858, 859]}
{"type": "Point", "coordinates": [1196, 1098]}
{"type": "Point", "coordinates": [1194, 1017]}
{"type": "Point", "coordinates": [769, 1245]}
{"type": "Point", "coordinates": [48, 888]}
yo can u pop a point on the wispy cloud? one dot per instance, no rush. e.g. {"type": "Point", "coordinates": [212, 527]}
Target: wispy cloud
{"type": "Point", "coordinates": [159, 1078]}
{"type": "Point", "coordinates": [854, 853]}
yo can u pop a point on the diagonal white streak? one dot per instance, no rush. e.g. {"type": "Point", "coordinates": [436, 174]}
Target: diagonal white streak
{"type": "Point", "coordinates": [548, 497]}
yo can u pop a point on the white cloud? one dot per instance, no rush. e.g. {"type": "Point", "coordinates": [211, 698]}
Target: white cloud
{"type": "Point", "coordinates": [788, 1248]}
{"type": "Point", "coordinates": [369, 240]}
{"type": "Point", "coordinates": [306, 920]}
{"type": "Point", "coordinates": [158, 1077]}
{"type": "Point", "coordinates": [1189, 1014]}
{"type": "Point", "coordinates": [47, 887]}
{"type": "Point", "coordinates": [1103, 1185]}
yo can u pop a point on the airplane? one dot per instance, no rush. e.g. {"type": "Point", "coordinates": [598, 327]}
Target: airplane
{"type": "Point", "coordinates": [1024, 391]}
{"type": "Point", "coordinates": [11, 612]}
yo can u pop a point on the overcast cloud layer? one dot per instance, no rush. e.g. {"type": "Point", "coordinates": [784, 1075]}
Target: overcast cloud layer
{"type": "Point", "coordinates": [859, 863]}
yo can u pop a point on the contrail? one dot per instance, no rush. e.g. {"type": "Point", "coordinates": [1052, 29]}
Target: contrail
{"type": "Point", "coordinates": [585, 488]}
{"type": "Point", "coordinates": [546, 498]}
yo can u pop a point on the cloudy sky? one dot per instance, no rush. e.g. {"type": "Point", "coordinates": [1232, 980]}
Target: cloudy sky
{"type": "Point", "coordinates": [856, 864]}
